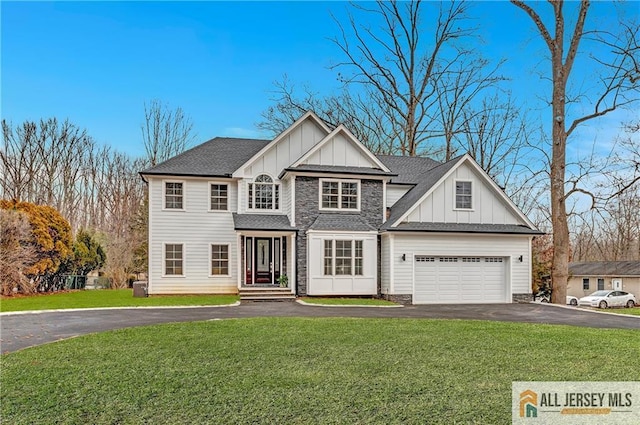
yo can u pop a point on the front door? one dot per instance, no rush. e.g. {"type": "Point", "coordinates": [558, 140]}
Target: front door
{"type": "Point", "coordinates": [264, 264]}
{"type": "Point", "coordinates": [617, 284]}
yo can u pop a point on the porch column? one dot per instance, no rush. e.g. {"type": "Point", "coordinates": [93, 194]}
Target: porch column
{"type": "Point", "coordinates": [292, 280]}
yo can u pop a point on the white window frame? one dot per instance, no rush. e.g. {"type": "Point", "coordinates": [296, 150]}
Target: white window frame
{"type": "Point", "coordinates": [252, 190]}
{"type": "Point", "coordinates": [334, 258]}
{"type": "Point", "coordinates": [228, 260]}
{"type": "Point", "coordinates": [211, 183]}
{"type": "Point", "coordinates": [339, 181]}
{"type": "Point", "coordinates": [455, 195]}
{"type": "Point", "coordinates": [164, 195]}
{"type": "Point", "coordinates": [164, 259]}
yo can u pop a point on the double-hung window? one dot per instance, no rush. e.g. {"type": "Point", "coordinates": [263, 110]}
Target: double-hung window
{"type": "Point", "coordinates": [264, 194]}
{"type": "Point", "coordinates": [585, 283]}
{"type": "Point", "coordinates": [219, 197]}
{"type": "Point", "coordinates": [174, 195]}
{"type": "Point", "coordinates": [343, 257]}
{"type": "Point", "coordinates": [174, 260]}
{"type": "Point", "coordinates": [219, 260]}
{"type": "Point", "coordinates": [339, 194]}
{"type": "Point", "coordinates": [464, 195]}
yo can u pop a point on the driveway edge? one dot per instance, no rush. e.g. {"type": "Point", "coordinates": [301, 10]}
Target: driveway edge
{"type": "Point", "coordinates": [611, 313]}
{"type": "Point", "coordinates": [348, 305]}
{"type": "Point", "coordinates": [16, 313]}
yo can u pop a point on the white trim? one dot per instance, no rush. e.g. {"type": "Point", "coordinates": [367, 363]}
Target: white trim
{"type": "Point", "coordinates": [164, 194]}
{"type": "Point", "coordinates": [341, 129]}
{"type": "Point", "coordinates": [345, 232]}
{"type": "Point", "coordinates": [214, 276]}
{"type": "Point", "coordinates": [150, 248]}
{"type": "Point", "coordinates": [292, 183]}
{"type": "Point", "coordinates": [339, 181]}
{"type": "Point", "coordinates": [484, 176]}
{"type": "Point", "coordinates": [240, 195]}
{"type": "Point", "coordinates": [455, 195]}
{"type": "Point", "coordinates": [337, 175]}
{"type": "Point", "coordinates": [281, 136]}
{"type": "Point", "coordinates": [239, 263]}
{"type": "Point", "coordinates": [184, 260]}
{"type": "Point", "coordinates": [216, 182]}
{"type": "Point", "coordinates": [293, 261]}
{"type": "Point", "coordinates": [391, 259]}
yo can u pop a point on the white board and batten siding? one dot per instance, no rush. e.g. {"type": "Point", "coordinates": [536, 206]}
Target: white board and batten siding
{"type": "Point", "coordinates": [285, 151]}
{"type": "Point", "coordinates": [319, 284]}
{"type": "Point", "coordinates": [507, 247]}
{"type": "Point", "coordinates": [395, 192]}
{"type": "Point", "coordinates": [196, 228]}
{"type": "Point", "coordinates": [341, 151]}
{"type": "Point", "coordinates": [488, 207]}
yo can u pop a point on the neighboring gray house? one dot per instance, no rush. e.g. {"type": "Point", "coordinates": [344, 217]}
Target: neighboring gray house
{"type": "Point", "coordinates": [590, 276]}
{"type": "Point", "coordinates": [314, 204]}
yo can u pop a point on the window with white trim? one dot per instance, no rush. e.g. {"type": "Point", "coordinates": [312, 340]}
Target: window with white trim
{"type": "Point", "coordinates": [264, 193]}
{"type": "Point", "coordinates": [173, 260]}
{"type": "Point", "coordinates": [339, 194]}
{"type": "Point", "coordinates": [173, 195]}
{"type": "Point", "coordinates": [464, 196]}
{"type": "Point", "coordinates": [219, 260]}
{"type": "Point", "coordinates": [343, 257]}
{"type": "Point", "coordinates": [219, 194]}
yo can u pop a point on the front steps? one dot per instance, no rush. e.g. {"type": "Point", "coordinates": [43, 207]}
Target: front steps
{"type": "Point", "coordinates": [266, 294]}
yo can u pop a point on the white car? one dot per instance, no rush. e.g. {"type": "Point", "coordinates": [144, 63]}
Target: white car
{"type": "Point", "coordinates": [605, 299]}
{"type": "Point", "coordinates": [572, 300]}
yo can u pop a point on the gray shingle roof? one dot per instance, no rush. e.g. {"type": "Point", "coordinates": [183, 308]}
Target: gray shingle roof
{"type": "Point", "coordinates": [341, 222]}
{"type": "Point", "coordinates": [410, 169]}
{"type": "Point", "coordinates": [218, 157]}
{"type": "Point", "coordinates": [465, 228]}
{"type": "Point", "coordinates": [605, 268]}
{"type": "Point", "coordinates": [412, 196]}
{"type": "Point", "coordinates": [262, 222]}
{"type": "Point", "coordinates": [339, 169]}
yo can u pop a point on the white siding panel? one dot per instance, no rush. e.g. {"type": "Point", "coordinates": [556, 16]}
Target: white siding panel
{"type": "Point", "coordinates": [395, 192]}
{"type": "Point", "coordinates": [508, 246]}
{"type": "Point", "coordinates": [196, 228]}
{"type": "Point", "coordinates": [488, 207]}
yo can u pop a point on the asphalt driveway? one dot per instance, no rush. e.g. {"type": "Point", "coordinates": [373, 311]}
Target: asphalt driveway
{"type": "Point", "coordinates": [20, 331]}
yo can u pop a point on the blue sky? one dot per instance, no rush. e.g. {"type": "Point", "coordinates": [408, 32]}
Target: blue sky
{"type": "Point", "coordinates": [97, 63]}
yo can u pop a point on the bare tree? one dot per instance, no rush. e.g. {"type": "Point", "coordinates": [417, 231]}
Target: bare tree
{"type": "Point", "coordinates": [618, 85]}
{"type": "Point", "coordinates": [165, 132]}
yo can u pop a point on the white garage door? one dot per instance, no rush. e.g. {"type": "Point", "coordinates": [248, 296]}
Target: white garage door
{"type": "Point", "coordinates": [468, 280]}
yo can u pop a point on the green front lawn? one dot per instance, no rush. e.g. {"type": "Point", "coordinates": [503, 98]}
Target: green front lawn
{"type": "Point", "coordinates": [107, 298]}
{"type": "Point", "coordinates": [304, 371]}
{"type": "Point", "coordinates": [632, 311]}
{"type": "Point", "coordinates": [346, 301]}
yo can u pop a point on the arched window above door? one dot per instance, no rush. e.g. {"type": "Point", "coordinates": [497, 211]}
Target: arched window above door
{"type": "Point", "coordinates": [264, 193]}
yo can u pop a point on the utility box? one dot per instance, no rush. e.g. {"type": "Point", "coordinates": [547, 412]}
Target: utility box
{"type": "Point", "coordinates": [140, 289]}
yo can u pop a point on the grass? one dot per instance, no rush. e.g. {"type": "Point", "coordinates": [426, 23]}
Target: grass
{"type": "Point", "coordinates": [346, 301]}
{"type": "Point", "coordinates": [631, 311]}
{"type": "Point", "coordinates": [304, 371]}
{"type": "Point", "coordinates": [107, 298]}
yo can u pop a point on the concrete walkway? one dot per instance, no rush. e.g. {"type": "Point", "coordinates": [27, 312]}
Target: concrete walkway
{"type": "Point", "coordinates": [19, 331]}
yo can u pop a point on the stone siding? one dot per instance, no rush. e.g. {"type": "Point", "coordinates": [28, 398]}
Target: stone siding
{"type": "Point", "coordinates": [307, 210]}
{"type": "Point", "coordinates": [521, 298]}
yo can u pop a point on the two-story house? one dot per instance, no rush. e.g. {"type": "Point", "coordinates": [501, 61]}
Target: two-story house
{"type": "Point", "coordinates": [316, 205]}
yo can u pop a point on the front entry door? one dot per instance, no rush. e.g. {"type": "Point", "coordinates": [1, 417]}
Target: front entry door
{"type": "Point", "coordinates": [264, 264]}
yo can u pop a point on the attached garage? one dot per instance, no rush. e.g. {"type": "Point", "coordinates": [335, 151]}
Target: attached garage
{"type": "Point", "coordinates": [465, 280]}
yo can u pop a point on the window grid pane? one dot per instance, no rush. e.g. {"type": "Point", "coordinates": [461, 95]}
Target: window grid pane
{"type": "Point", "coordinates": [219, 197]}
{"type": "Point", "coordinates": [330, 194]}
{"type": "Point", "coordinates": [343, 258]}
{"type": "Point", "coordinates": [358, 259]}
{"type": "Point", "coordinates": [585, 284]}
{"type": "Point", "coordinates": [328, 258]}
{"type": "Point", "coordinates": [173, 259]}
{"type": "Point", "coordinates": [463, 195]}
{"type": "Point", "coordinates": [219, 259]}
{"type": "Point", "coordinates": [264, 194]}
{"type": "Point", "coordinates": [349, 195]}
{"type": "Point", "coordinates": [173, 195]}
